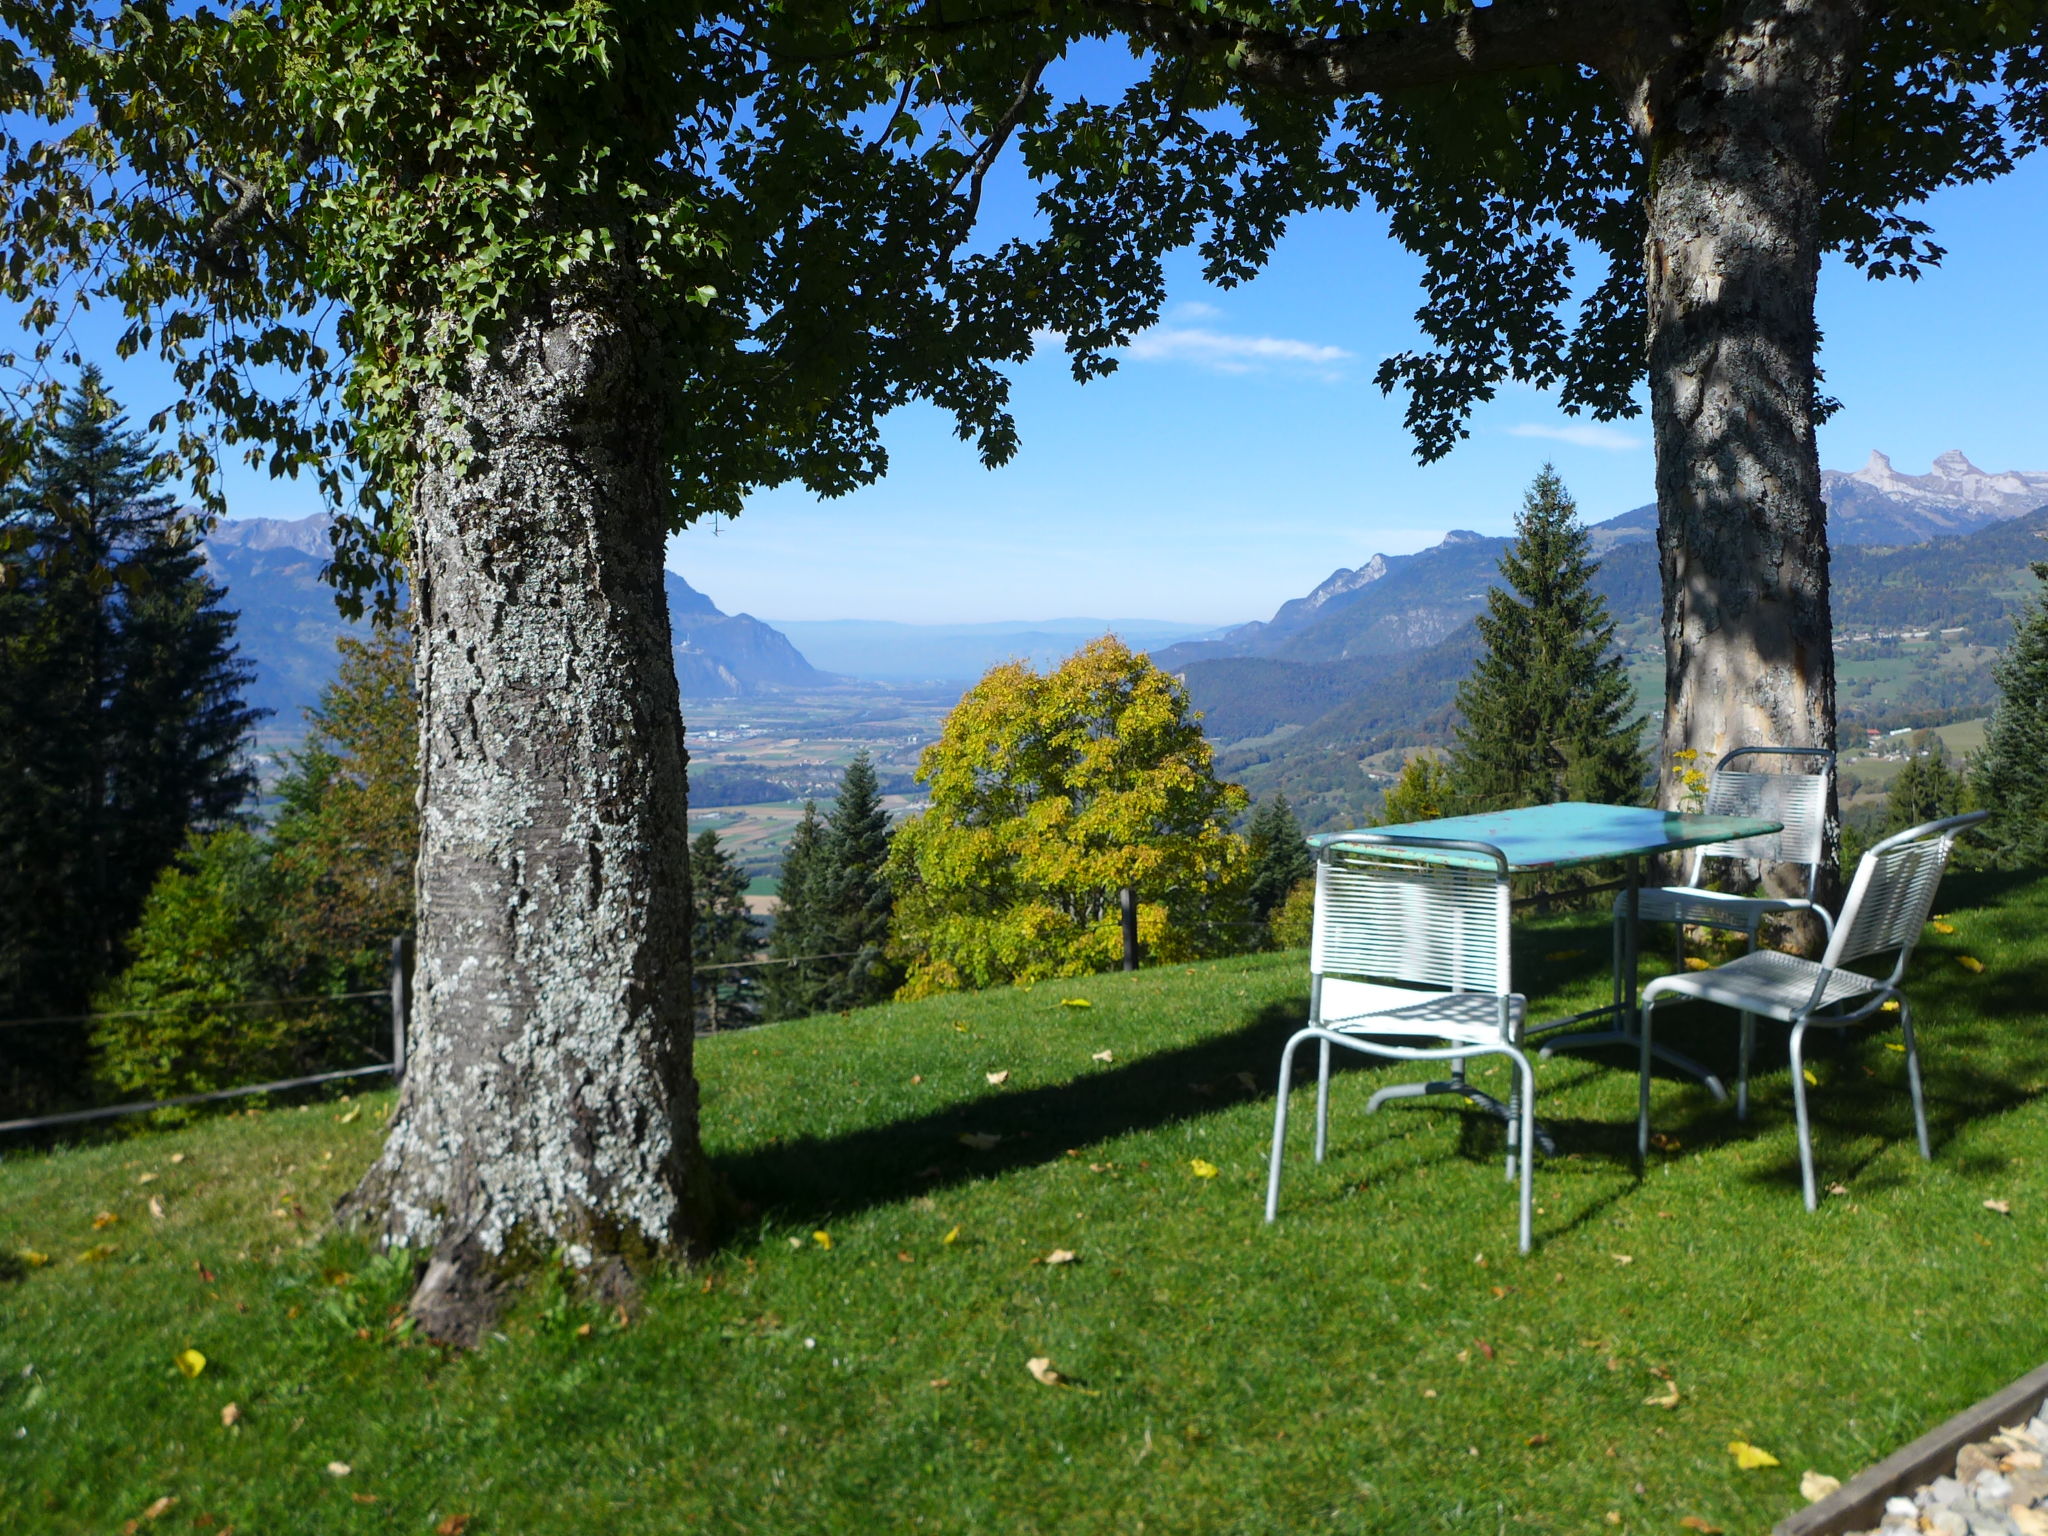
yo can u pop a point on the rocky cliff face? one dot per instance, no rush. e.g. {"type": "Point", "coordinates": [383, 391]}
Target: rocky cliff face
{"type": "Point", "coordinates": [1879, 505]}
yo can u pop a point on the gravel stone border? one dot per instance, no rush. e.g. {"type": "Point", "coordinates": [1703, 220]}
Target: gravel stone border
{"type": "Point", "coordinates": [1980, 1474]}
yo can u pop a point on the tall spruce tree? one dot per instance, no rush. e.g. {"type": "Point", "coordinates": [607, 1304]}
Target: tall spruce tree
{"type": "Point", "coordinates": [122, 726]}
{"type": "Point", "coordinates": [855, 892]}
{"type": "Point", "coordinates": [2011, 776]}
{"type": "Point", "coordinates": [1927, 787]}
{"type": "Point", "coordinates": [797, 987]}
{"type": "Point", "coordinates": [1546, 708]}
{"type": "Point", "coordinates": [721, 934]}
{"type": "Point", "coordinates": [1280, 856]}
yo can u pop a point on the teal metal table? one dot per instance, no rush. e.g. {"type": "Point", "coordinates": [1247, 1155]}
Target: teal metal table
{"type": "Point", "coordinates": [1563, 836]}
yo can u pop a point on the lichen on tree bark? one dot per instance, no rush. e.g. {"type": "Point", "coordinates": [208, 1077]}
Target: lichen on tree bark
{"type": "Point", "coordinates": [548, 1101]}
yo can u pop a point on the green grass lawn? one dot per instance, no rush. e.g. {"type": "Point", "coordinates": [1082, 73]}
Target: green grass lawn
{"type": "Point", "coordinates": [1380, 1361]}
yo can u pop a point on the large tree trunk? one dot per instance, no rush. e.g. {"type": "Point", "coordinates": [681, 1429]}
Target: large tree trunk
{"type": "Point", "coordinates": [548, 1102]}
{"type": "Point", "coordinates": [1737, 141]}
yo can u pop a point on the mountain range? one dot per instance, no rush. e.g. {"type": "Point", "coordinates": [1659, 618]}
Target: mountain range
{"type": "Point", "coordinates": [271, 568]}
{"type": "Point", "coordinates": [1927, 572]}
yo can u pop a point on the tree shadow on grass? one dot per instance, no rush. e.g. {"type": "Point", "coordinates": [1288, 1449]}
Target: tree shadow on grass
{"type": "Point", "coordinates": [824, 1177]}
{"type": "Point", "coordinates": [882, 1164]}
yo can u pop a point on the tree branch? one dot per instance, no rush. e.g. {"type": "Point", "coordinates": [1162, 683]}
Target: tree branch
{"type": "Point", "coordinates": [1505, 36]}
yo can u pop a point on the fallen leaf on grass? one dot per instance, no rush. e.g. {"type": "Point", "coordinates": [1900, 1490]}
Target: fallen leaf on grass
{"type": "Point", "coordinates": [1100, 1167]}
{"type": "Point", "coordinates": [1201, 1168]}
{"type": "Point", "coordinates": [903, 1256]}
{"type": "Point", "coordinates": [190, 1363]}
{"type": "Point", "coordinates": [1537, 1440]}
{"type": "Point", "coordinates": [1103, 1056]}
{"type": "Point", "coordinates": [941, 1382]}
{"type": "Point", "coordinates": [145, 1178]}
{"type": "Point", "coordinates": [980, 1141]}
{"type": "Point", "coordinates": [454, 1525]}
{"type": "Point", "coordinates": [364, 1498]}
{"type": "Point", "coordinates": [160, 1508]}
{"type": "Point", "coordinates": [104, 1220]}
{"type": "Point", "coordinates": [1075, 1002]}
{"type": "Point", "coordinates": [2003, 1207]}
{"type": "Point", "coordinates": [230, 1416]}
{"type": "Point", "coordinates": [1485, 1348]}
{"type": "Point", "coordinates": [177, 1157]}
{"type": "Point", "coordinates": [1815, 1486]}
{"type": "Point", "coordinates": [1838, 1189]}
{"type": "Point", "coordinates": [156, 1208]}
{"type": "Point", "coordinates": [1622, 1258]}
{"type": "Point", "coordinates": [1893, 1045]}
{"type": "Point", "coordinates": [916, 1078]}
{"type": "Point", "coordinates": [823, 1240]}
{"type": "Point", "coordinates": [951, 1237]}
{"type": "Point", "coordinates": [1940, 927]}
{"type": "Point", "coordinates": [1699, 1523]}
{"type": "Point", "coordinates": [1971, 964]}
{"type": "Point", "coordinates": [1059, 1256]}
{"type": "Point", "coordinates": [1750, 1457]}
{"type": "Point", "coordinates": [99, 1251]}
{"type": "Point", "coordinates": [1664, 1143]}
{"type": "Point", "coordinates": [1811, 1080]}
{"type": "Point", "coordinates": [997, 1079]}
{"type": "Point", "coordinates": [1667, 1399]}
{"type": "Point", "coordinates": [350, 1117]}
{"type": "Point", "coordinates": [1695, 963]}
{"type": "Point", "coordinates": [1041, 1369]}
{"type": "Point", "coordinates": [339, 1469]}
{"type": "Point", "coordinates": [31, 1258]}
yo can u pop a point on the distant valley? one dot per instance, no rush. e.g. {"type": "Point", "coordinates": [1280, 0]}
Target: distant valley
{"type": "Point", "coordinates": [1322, 700]}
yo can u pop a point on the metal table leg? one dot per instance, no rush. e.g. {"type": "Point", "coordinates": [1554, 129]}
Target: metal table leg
{"type": "Point", "coordinates": [1456, 1083]}
{"type": "Point", "coordinates": [1627, 1031]}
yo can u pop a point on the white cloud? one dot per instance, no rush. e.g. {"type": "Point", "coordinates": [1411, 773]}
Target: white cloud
{"type": "Point", "coordinates": [1225, 353]}
{"type": "Point", "coordinates": [1195, 309]}
{"type": "Point", "coordinates": [1582, 434]}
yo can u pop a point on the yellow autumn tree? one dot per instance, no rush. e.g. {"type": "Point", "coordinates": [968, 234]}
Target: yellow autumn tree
{"type": "Point", "coordinates": [1049, 794]}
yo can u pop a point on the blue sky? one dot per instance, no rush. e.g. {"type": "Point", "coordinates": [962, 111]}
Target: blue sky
{"type": "Point", "coordinates": [1242, 452]}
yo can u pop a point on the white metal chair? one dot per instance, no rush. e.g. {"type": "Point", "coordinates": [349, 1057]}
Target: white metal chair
{"type": "Point", "coordinates": [1799, 800]}
{"type": "Point", "coordinates": [1886, 909]}
{"type": "Point", "coordinates": [1410, 947]}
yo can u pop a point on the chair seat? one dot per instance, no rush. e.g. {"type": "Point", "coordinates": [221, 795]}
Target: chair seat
{"type": "Point", "coordinates": [1371, 1008]}
{"type": "Point", "coordinates": [1765, 981]}
{"type": "Point", "coordinates": [1709, 909]}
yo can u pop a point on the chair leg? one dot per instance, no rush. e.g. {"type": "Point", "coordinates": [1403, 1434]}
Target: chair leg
{"type": "Point", "coordinates": [1747, 1050]}
{"type": "Point", "coordinates": [1322, 1100]}
{"type": "Point", "coordinates": [1525, 1075]}
{"type": "Point", "coordinates": [1799, 1114]}
{"type": "Point", "coordinates": [1514, 1127]}
{"type": "Point", "coordinates": [1913, 1080]}
{"type": "Point", "coordinates": [1644, 1010]}
{"type": "Point", "coordinates": [1280, 1125]}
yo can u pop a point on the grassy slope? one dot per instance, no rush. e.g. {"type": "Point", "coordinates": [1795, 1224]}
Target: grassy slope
{"type": "Point", "coordinates": [1380, 1361]}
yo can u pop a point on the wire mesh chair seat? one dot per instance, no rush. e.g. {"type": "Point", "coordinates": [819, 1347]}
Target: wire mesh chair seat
{"type": "Point", "coordinates": [1409, 961]}
{"type": "Point", "coordinates": [1886, 909]}
{"type": "Point", "coordinates": [1798, 800]}
{"type": "Point", "coordinates": [1366, 1008]}
{"type": "Point", "coordinates": [1764, 981]}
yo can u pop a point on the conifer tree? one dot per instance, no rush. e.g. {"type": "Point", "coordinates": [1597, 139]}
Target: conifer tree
{"type": "Point", "coordinates": [2011, 776]}
{"type": "Point", "coordinates": [855, 892]}
{"type": "Point", "coordinates": [721, 933]}
{"type": "Point", "coordinates": [1280, 856]}
{"type": "Point", "coordinates": [1927, 787]}
{"type": "Point", "coordinates": [793, 990]}
{"type": "Point", "coordinates": [1546, 707]}
{"type": "Point", "coordinates": [122, 727]}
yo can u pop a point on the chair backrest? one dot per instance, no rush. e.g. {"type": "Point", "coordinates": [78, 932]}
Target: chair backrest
{"type": "Point", "coordinates": [1894, 891]}
{"type": "Point", "coordinates": [1799, 800]}
{"type": "Point", "coordinates": [1393, 912]}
